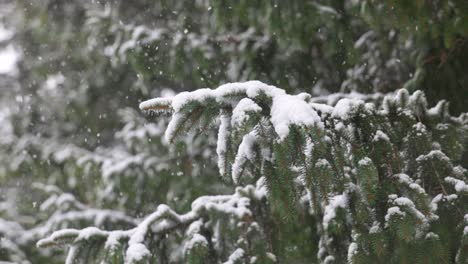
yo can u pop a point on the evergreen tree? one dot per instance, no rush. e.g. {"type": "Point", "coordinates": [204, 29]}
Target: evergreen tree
{"type": "Point", "coordinates": [315, 183]}
{"type": "Point", "coordinates": [305, 184]}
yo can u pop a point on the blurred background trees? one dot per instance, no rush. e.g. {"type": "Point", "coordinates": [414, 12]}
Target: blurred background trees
{"type": "Point", "coordinates": [68, 114]}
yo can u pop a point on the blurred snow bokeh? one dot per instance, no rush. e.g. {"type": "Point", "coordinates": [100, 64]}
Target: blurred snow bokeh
{"type": "Point", "coordinates": [8, 55]}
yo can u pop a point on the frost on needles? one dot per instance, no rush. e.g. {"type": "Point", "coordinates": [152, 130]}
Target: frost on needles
{"type": "Point", "coordinates": [359, 180]}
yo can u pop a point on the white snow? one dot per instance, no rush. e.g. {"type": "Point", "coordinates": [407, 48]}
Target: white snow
{"type": "Point", "coordinates": [237, 255]}
{"type": "Point", "coordinates": [9, 57]}
{"type": "Point", "coordinates": [381, 136]}
{"type": "Point", "coordinates": [437, 109]}
{"type": "Point", "coordinates": [432, 235]}
{"type": "Point", "coordinates": [200, 95]}
{"type": "Point", "coordinates": [366, 161]}
{"type": "Point", "coordinates": [391, 212]}
{"type": "Point", "coordinates": [363, 39]}
{"type": "Point", "coordinates": [322, 163]}
{"type": "Point", "coordinates": [346, 106]}
{"type": "Point", "coordinates": [194, 228]}
{"type": "Point", "coordinates": [435, 201]}
{"type": "Point", "coordinates": [338, 201]}
{"type": "Point", "coordinates": [465, 230]}
{"type": "Point", "coordinates": [408, 205]}
{"type": "Point", "coordinates": [289, 110]}
{"type": "Point", "coordinates": [286, 109]}
{"type": "Point", "coordinates": [244, 153]}
{"type": "Point", "coordinates": [352, 250]}
{"type": "Point", "coordinates": [196, 240]}
{"type": "Point", "coordinates": [240, 112]}
{"type": "Point", "coordinates": [5, 34]}
{"type": "Point", "coordinates": [329, 260]}
{"type": "Point", "coordinates": [405, 179]}
{"type": "Point", "coordinates": [272, 256]}
{"type": "Point", "coordinates": [54, 80]}
{"type": "Point", "coordinates": [89, 232]}
{"type": "Point", "coordinates": [59, 235]}
{"type": "Point", "coordinates": [159, 222]}
{"type": "Point", "coordinates": [323, 108]}
{"type": "Point", "coordinates": [403, 201]}
{"type": "Point", "coordinates": [375, 228]}
{"type": "Point", "coordinates": [459, 171]}
{"type": "Point", "coordinates": [434, 154]}
{"type": "Point", "coordinates": [136, 252]}
{"type": "Point", "coordinates": [222, 144]}
{"type": "Point", "coordinates": [112, 240]}
{"type": "Point", "coordinates": [459, 185]}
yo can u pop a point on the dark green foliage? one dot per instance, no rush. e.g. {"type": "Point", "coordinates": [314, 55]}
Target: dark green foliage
{"type": "Point", "coordinates": [198, 254]}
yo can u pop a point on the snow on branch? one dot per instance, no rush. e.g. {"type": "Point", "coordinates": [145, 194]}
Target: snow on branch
{"type": "Point", "coordinates": [67, 210]}
{"type": "Point", "coordinates": [162, 221]}
{"type": "Point", "coordinates": [285, 110]}
{"type": "Point", "coordinates": [237, 103]}
{"type": "Point", "coordinates": [236, 256]}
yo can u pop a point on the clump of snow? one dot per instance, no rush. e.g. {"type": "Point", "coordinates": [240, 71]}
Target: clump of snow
{"type": "Point", "coordinates": [366, 161]}
{"type": "Point", "coordinates": [271, 256]}
{"type": "Point", "coordinates": [420, 127]}
{"type": "Point", "coordinates": [323, 108]}
{"type": "Point", "coordinates": [408, 205]}
{"type": "Point", "coordinates": [435, 201]}
{"type": "Point", "coordinates": [136, 252]}
{"type": "Point", "coordinates": [181, 99]}
{"type": "Point", "coordinates": [237, 255]}
{"type": "Point", "coordinates": [402, 96]}
{"type": "Point", "coordinates": [459, 185]}
{"type": "Point", "coordinates": [352, 251]}
{"type": "Point", "coordinates": [329, 260]}
{"type": "Point", "coordinates": [405, 179]}
{"type": "Point", "coordinates": [89, 232]}
{"type": "Point", "coordinates": [375, 228]}
{"type": "Point", "coordinates": [112, 240]}
{"type": "Point", "coordinates": [381, 136]}
{"type": "Point", "coordinates": [240, 112]}
{"type": "Point", "coordinates": [459, 171]}
{"type": "Point", "coordinates": [9, 58]}
{"type": "Point", "coordinates": [345, 107]}
{"type": "Point", "coordinates": [322, 163]}
{"type": "Point", "coordinates": [391, 212]}
{"type": "Point", "coordinates": [59, 235]}
{"type": "Point", "coordinates": [196, 240]}
{"type": "Point", "coordinates": [438, 109]}
{"type": "Point", "coordinates": [53, 81]}
{"type": "Point", "coordinates": [432, 235]}
{"type": "Point", "coordinates": [434, 154]}
{"type": "Point", "coordinates": [333, 99]}
{"type": "Point", "coordinates": [338, 201]}
{"type": "Point", "coordinates": [403, 201]}
{"type": "Point", "coordinates": [221, 146]}
{"type": "Point", "coordinates": [289, 110]}
{"type": "Point", "coordinates": [418, 102]}
{"type": "Point", "coordinates": [244, 153]}
{"type": "Point", "coordinates": [194, 228]}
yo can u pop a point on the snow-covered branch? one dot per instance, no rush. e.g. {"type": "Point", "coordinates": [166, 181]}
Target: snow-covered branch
{"type": "Point", "coordinates": [162, 221]}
